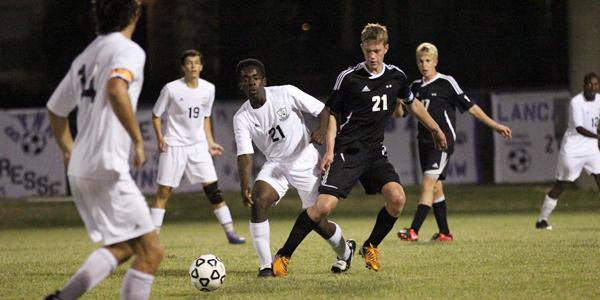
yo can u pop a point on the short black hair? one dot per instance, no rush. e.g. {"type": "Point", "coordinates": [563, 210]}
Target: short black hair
{"type": "Point", "coordinates": [114, 15]}
{"type": "Point", "coordinates": [588, 77]}
{"type": "Point", "coordinates": [190, 52]}
{"type": "Point", "coordinates": [251, 62]}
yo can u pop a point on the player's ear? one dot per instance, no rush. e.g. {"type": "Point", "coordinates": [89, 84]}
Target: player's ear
{"type": "Point", "coordinates": [265, 81]}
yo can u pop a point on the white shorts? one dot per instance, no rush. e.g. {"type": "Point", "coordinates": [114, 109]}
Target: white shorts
{"type": "Point", "coordinates": [113, 211]}
{"type": "Point", "coordinates": [569, 167]}
{"type": "Point", "coordinates": [303, 174]}
{"type": "Point", "coordinates": [194, 160]}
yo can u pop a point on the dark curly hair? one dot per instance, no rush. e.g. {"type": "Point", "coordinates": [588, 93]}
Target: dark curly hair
{"type": "Point", "coordinates": [251, 62]}
{"type": "Point", "coordinates": [114, 15]}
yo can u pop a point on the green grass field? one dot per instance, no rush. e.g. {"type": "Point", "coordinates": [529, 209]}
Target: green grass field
{"type": "Point", "coordinates": [497, 253]}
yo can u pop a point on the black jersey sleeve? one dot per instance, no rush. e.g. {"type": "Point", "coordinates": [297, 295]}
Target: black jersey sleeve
{"type": "Point", "coordinates": [335, 101]}
{"type": "Point", "coordinates": [404, 91]}
{"type": "Point", "coordinates": [460, 99]}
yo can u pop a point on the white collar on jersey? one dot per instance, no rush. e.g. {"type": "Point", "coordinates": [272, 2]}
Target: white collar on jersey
{"type": "Point", "coordinates": [373, 76]}
{"type": "Point", "coordinates": [438, 75]}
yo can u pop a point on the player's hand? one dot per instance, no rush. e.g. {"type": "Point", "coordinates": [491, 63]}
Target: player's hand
{"type": "Point", "coordinates": [215, 149]}
{"type": "Point", "coordinates": [439, 139]}
{"type": "Point", "coordinates": [318, 136]}
{"type": "Point", "coordinates": [66, 157]}
{"type": "Point", "coordinates": [162, 146]}
{"type": "Point", "coordinates": [247, 196]}
{"type": "Point", "coordinates": [504, 131]}
{"type": "Point", "coordinates": [139, 156]}
{"type": "Point", "coordinates": [325, 162]}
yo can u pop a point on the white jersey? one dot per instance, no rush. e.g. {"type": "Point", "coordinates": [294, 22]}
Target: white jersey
{"type": "Point", "coordinates": [277, 128]}
{"type": "Point", "coordinates": [102, 146]}
{"type": "Point", "coordinates": [582, 113]}
{"type": "Point", "coordinates": [186, 109]}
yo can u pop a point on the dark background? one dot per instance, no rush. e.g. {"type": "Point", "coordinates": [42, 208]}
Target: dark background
{"type": "Point", "coordinates": [485, 45]}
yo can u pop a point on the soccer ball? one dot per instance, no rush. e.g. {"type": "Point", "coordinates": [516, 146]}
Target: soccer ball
{"type": "Point", "coordinates": [519, 160]}
{"type": "Point", "coordinates": [207, 272]}
{"type": "Point", "coordinates": [32, 143]}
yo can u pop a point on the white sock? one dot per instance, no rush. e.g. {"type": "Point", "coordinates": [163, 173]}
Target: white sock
{"type": "Point", "coordinates": [440, 199]}
{"type": "Point", "coordinates": [158, 214]}
{"type": "Point", "coordinates": [261, 240]}
{"type": "Point", "coordinates": [95, 269]}
{"type": "Point", "coordinates": [337, 243]}
{"type": "Point", "coordinates": [136, 285]}
{"type": "Point", "coordinates": [224, 216]}
{"type": "Point", "coordinates": [547, 208]}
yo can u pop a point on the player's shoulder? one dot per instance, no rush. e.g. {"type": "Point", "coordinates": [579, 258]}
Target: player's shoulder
{"type": "Point", "coordinates": [416, 82]}
{"type": "Point", "coordinates": [394, 70]}
{"type": "Point", "coordinates": [242, 112]}
{"type": "Point", "coordinates": [205, 83]}
{"type": "Point", "coordinates": [449, 81]}
{"type": "Point", "coordinates": [121, 44]}
{"type": "Point", "coordinates": [345, 74]}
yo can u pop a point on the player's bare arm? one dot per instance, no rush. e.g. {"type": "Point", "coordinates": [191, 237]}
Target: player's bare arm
{"type": "Point", "coordinates": [400, 110]}
{"type": "Point", "coordinates": [419, 111]}
{"type": "Point", "coordinates": [319, 136]}
{"type": "Point", "coordinates": [329, 144]}
{"type": "Point", "coordinates": [214, 148]}
{"type": "Point", "coordinates": [60, 128]}
{"type": "Point", "coordinates": [119, 100]}
{"type": "Point", "coordinates": [162, 146]}
{"type": "Point", "coordinates": [244, 170]}
{"type": "Point", "coordinates": [586, 132]}
{"type": "Point", "coordinates": [480, 115]}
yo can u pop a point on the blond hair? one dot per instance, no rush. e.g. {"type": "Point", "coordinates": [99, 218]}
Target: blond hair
{"type": "Point", "coordinates": [374, 32]}
{"type": "Point", "coordinates": [427, 49]}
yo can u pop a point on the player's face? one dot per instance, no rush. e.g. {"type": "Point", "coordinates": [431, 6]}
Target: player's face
{"type": "Point", "coordinates": [591, 88]}
{"type": "Point", "coordinates": [374, 52]}
{"type": "Point", "coordinates": [427, 64]}
{"type": "Point", "coordinates": [192, 67]}
{"type": "Point", "coordinates": [252, 82]}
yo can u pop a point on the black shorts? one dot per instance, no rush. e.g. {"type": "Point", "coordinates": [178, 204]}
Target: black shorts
{"type": "Point", "coordinates": [433, 161]}
{"type": "Point", "coordinates": [371, 168]}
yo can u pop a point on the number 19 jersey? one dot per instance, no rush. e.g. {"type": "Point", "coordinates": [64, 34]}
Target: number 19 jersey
{"type": "Point", "coordinates": [277, 128]}
{"type": "Point", "coordinates": [186, 109]}
{"type": "Point", "coordinates": [102, 146]}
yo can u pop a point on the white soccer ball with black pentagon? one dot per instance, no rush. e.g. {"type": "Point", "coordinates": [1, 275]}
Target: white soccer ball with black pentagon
{"type": "Point", "coordinates": [207, 273]}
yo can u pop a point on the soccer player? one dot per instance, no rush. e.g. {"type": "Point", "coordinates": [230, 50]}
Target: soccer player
{"type": "Point", "coordinates": [441, 96]}
{"type": "Point", "coordinates": [104, 83]}
{"type": "Point", "coordinates": [188, 143]}
{"type": "Point", "coordinates": [362, 102]}
{"type": "Point", "coordinates": [579, 146]}
{"type": "Point", "coordinates": [272, 118]}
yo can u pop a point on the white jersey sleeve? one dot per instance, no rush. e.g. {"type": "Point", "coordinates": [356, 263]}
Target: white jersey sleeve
{"type": "Point", "coordinates": [211, 101]}
{"type": "Point", "coordinates": [576, 107]}
{"type": "Point", "coordinates": [243, 138]}
{"type": "Point", "coordinates": [64, 98]}
{"type": "Point", "coordinates": [162, 103]}
{"type": "Point", "coordinates": [305, 102]}
{"type": "Point", "coordinates": [131, 59]}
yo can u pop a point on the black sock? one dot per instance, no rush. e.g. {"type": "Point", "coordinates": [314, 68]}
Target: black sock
{"type": "Point", "coordinates": [325, 229]}
{"type": "Point", "coordinates": [420, 215]}
{"type": "Point", "coordinates": [303, 226]}
{"type": "Point", "coordinates": [441, 217]}
{"type": "Point", "coordinates": [384, 224]}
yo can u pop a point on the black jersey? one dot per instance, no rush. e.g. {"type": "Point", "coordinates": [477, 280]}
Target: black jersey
{"type": "Point", "coordinates": [441, 96]}
{"type": "Point", "coordinates": [363, 104]}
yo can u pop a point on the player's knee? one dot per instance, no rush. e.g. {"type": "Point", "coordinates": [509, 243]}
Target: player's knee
{"type": "Point", "coordinates": [396, 201]}
{"type": "Point", "coordinates": [164, 192]}
{"type": "Point", "coordinates": [153, 253]}
{"type": "Point", "coordinates": [213, 193]}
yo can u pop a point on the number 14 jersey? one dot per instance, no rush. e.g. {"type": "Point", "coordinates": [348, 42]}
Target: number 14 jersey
{"type": "Point", "coordinates": [277, 128]}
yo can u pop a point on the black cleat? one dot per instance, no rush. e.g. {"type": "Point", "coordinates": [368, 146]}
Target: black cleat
{"type": "Point", "coordinates": [543, 224]}
{"type": "Point", "coordinates": [341, 265]}
{"type": "Point", "coordinates": [53, 296]}
{"type": "Point", "coordinates": [266, 272]}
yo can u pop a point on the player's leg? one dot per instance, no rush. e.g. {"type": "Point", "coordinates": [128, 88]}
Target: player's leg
{"type": "Point", "coordinates": [222, 212]}
{"type": "Point", "coordinates": [159, 206]}
{"type": "Point", "coordinates": [307, 221]}
{"type": "Point", "coordinates": [440, 213]}
{"type": "Point", "coordinates": [567, 170]}
{"type": "Point", "coordinates": [200, 168]}
{"type": "Point", "coordinates": [138, 279]}
{"type": "Point", "coordinates": [264, 196]}
{"type": "Point", "coordinates": [171, 165]}
{"type": "Point", "coordinates": [304, 174]}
